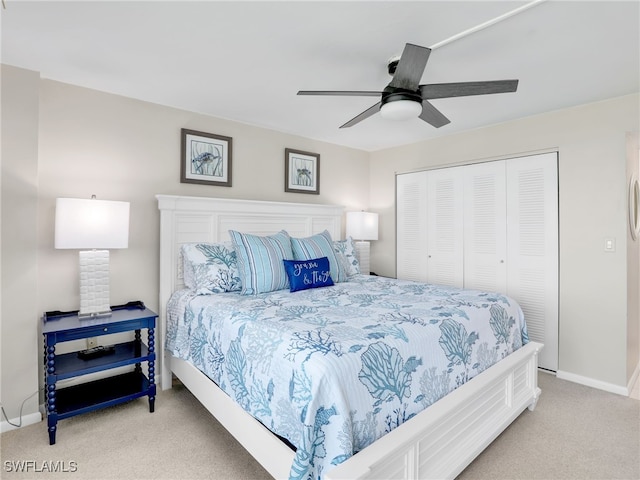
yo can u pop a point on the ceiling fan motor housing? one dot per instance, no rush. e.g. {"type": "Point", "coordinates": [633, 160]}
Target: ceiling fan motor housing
{"type": "Point", "coordinates": [391, 94]}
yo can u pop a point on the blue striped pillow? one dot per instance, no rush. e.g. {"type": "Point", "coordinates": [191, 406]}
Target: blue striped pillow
{"type": "Point", "coordinates": [260, 261]}
{"type": "Point", "coordinates": [316, 246]}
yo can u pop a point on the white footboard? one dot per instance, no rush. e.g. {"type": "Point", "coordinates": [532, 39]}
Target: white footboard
{"type": "Point", "coordinates": [442, 440]}
{"type": "Point", "coordinates": [261, 443]}
{"type": "Point", "coordinates": [438, 443]}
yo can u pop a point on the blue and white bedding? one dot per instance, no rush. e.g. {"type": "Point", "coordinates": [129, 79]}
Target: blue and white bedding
{"type": "Point", "coordinates": [333, 369]}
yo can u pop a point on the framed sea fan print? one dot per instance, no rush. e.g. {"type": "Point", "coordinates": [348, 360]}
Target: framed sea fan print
{"type": "Point", "coordinates": [301, 171]}
{"type": "Point", "coordinates": [206, 158]}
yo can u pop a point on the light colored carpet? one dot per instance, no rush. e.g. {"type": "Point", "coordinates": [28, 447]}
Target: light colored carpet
{"type": "Point", "coordinates": [575, 432]}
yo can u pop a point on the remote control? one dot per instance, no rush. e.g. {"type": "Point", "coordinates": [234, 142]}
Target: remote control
{"type": "Point", "coordinates": [96, 352]}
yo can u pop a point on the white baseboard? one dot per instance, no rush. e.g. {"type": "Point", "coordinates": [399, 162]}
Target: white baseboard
{"type": "Point", "coordinates": [591, 382]}
{"type": "Point", "coordinates": [26, 420]}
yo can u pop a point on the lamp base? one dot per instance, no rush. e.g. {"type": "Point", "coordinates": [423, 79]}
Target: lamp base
{"type": "Point", "coordinates": [362, 252]}
{"type": "Point", "coordinates": [94, 284]}
{"type": "Point", "coordinates": [84, 316]}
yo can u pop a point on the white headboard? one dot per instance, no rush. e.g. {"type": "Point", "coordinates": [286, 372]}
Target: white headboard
{"type": "Point", "coordinates": [202, 219]}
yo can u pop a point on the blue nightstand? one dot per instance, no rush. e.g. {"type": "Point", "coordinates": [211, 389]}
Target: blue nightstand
{"type": "Point", "coordinates": [105, 392]}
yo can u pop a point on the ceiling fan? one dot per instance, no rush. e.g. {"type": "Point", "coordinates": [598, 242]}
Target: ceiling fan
{"type": "Point", "coordinates": [404, 98]}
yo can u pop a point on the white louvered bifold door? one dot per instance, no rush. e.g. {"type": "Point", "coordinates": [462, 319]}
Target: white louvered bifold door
{"type": "Point", "coordinates": [411, 226]}
{"type": "Point", "coordinates": [445, 231]}
{"type": "Point", "coordinates": [532, 255]}
{"type": "Point", "coordinates": [485, 227]}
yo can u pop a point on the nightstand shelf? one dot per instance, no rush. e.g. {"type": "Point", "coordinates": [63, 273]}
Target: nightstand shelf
{"type": "Point", "coordinates": [68, 365]}
{"type": "Point", "coordinates": [104, 392]}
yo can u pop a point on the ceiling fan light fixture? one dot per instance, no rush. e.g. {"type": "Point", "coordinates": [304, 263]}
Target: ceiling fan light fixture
{"type": "Point", "coordinates": [401, 110]}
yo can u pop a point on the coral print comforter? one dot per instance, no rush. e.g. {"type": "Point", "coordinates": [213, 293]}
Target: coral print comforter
{"type": "Point", "coordinates": [333, 369]}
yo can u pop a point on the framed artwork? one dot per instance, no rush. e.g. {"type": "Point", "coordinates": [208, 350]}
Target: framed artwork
{"type": "Point", "coordinates": [206, 158]}
{"type": "Point", "coordinates": [301, 171]}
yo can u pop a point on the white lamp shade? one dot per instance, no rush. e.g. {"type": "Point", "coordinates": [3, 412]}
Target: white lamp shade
{"type": "Point", "coordinates": [91, 224]}
{"type": "Point", "coordinates": [401, 110]}
{"type": "Point", "coordinates": [362, 225]}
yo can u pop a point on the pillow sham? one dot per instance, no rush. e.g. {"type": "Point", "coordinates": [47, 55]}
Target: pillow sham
{"type": "Point", "coordinates": [260, 261]}
{"type": "Point", "coordinates": [345, 251]}
{"type": "Point", "coordinates": [210, 268]}
{"type": "Point", "coordinates": [317, 246]}
{"type": "Point", "coordinates": [305, 274]}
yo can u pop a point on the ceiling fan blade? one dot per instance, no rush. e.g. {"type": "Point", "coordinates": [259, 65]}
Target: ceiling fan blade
{"type": "Point", "coordinates": [463, 89]}
{"type": "Point", "coordinates": [410, 67]}
{"type": "Point", "coordinates": [340, 93]}
{"type": "Point", "coordinates": [366, 114]}
{"type": "Point", "coordinates": [432, 115]}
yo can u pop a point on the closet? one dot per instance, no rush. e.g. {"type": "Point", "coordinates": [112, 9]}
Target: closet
{"type": "Point", "coordinates": [488, 226]}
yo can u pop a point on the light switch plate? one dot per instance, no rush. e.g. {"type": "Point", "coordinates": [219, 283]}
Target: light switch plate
{"type": "Point", "coordinates": [609, 244]}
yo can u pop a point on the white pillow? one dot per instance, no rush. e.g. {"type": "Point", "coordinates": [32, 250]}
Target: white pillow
{"type": "Point", "coordinates": [346, 254]}
{"type": "Point", "coordinates": [210, 268]}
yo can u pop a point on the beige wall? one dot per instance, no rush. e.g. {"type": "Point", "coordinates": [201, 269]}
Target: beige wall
{"type": "Point", "coordinates": [117, 148]}
{"type": "Point", "coordinates": [122, 149]}
{"type": "Point", "coordinates": [20, 344]}
{"type": "Point", "coordinates": [591, 141]}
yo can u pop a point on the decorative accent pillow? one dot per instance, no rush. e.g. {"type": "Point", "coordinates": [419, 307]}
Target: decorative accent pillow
{"type": "Point", "coordinates": [316, 246]}
{"type": "Point", "coordinates": [346, 253]}
{"type": "Point", "coordinates": [210, 268]}
{"type": "Point", "coordinates": [304, 274]}
{"type": "Point", "coordinates": [260, 261]}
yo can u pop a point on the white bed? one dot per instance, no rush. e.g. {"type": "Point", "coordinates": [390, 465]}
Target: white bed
{"type": "Point", "coordinates": [437, 443]}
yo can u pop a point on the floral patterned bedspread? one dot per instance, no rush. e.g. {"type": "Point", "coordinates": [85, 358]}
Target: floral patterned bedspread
{"type": "Point", "coordinates": [333, 369]}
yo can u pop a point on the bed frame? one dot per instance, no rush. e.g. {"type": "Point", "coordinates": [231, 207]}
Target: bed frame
{"type": "Point", "coordinates": [437, 443]}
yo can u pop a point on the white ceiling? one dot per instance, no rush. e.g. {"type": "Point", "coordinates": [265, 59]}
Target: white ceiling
{"type": "Point", "coordinates": [245, 61]}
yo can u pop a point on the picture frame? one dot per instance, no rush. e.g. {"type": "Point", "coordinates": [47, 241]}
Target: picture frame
{"type": "Point", "coordinates": [206, 158]}
{"type": "Point", "coordinates": [301, 171]}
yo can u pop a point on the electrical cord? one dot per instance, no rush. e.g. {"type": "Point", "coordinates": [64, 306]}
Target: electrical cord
{"type": "Point", "coordinates": [4, 414]}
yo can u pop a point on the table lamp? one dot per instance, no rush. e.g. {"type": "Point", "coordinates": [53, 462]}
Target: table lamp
{"type": "Point", "coordinates": [92, 226]}
{"type": "Point", "coordinates": [362, 227]}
